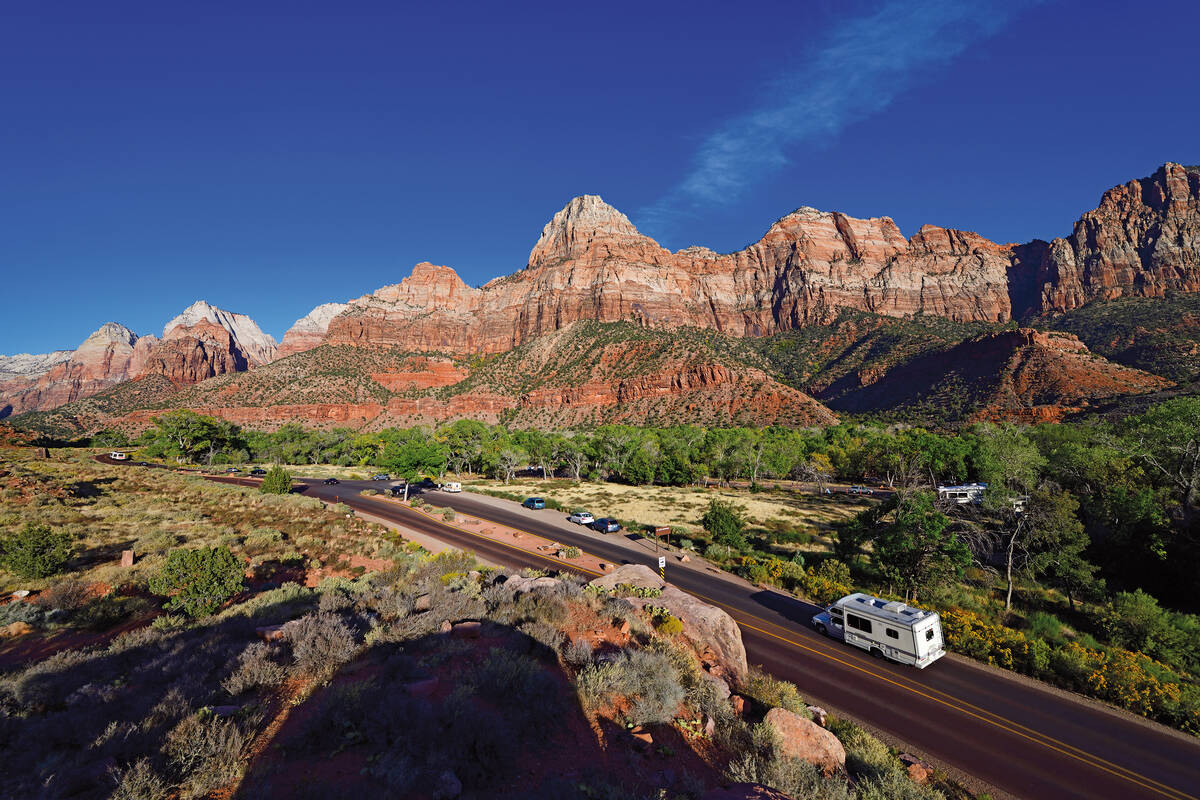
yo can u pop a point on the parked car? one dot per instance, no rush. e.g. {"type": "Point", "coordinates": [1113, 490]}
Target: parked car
{"type": "Point", "coordinates": [142, 464]}
{"type": "Point", "coordinates": [534, 503]}
{"type": "Point", "coordinates": [258, 472]}
{"type": "Point", "coordinates": [117, 456]}
{"type": "Point", "coordinates": [581, 518]}
{"type": "Point", "coordinates": [860, 490]}
{"type": "Point", "coordinates": [331, 481]}
{"type": "Point", "coordinates": [232, 470]}
{"type": "Point", "coordinates": [453, 487]}
{"type": "Point", "coordinates": [606, 525]}
{"type": "Point", "coordinates": [382, 476]}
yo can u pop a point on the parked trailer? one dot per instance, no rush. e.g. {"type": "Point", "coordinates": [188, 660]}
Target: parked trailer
{"type": "Point", "coordinates": [886, 629]}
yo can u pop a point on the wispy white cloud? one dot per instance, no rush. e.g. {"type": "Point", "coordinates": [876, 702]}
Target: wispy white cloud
{"type": "Point", "coordinates": [862, 64]}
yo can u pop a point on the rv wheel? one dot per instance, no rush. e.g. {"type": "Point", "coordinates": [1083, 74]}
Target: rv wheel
{"type": "Point", "coordinates": [822, 630]}
{"type": "Point", "coordinates": [875, 651]}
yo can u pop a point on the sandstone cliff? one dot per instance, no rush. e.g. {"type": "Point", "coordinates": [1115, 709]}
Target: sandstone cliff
{"type": "Point", "coordinates": [1143, 240]}
{"type": "Point", "coordinates": [200, 343]}
{"type": "Point", "coordinates": [308, 331]}
{"type": "Point", "coordinates": [109, 356]}
{"type": "Point", "coordinates": [244, 333]}
{"type": "Point", "coordinates": [592, 264]}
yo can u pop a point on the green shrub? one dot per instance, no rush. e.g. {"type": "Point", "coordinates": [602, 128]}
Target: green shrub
{"type": "Point", "coordinates": [725, 523]}
{"type": "Point", "coordinates": [771, 692]}
{"type": "Point", "coordinates": [571, 552]}
{"type": "Point", "coordinates": [448, 514]}
{"type": "Point", "coordinates": [667, 624]}
{"type": "Point", "coordinates": [277, 481]}
{"type": "Point", "coordinates": [35, 551]}
{"type": "Point", "coordinates": [197, 582]}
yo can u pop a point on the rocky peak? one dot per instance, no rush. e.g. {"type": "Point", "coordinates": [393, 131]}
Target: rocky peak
{"type": "Point", "coordinates": [110, 333]}
{"type": "Point", "coordinates": [307, 332]}
{"type": "Point", "coordinates": [317, 320]}
{"type": "Point", "coordinates": [429, 287]}
{"type": "Point", "coordinates": [581, 223]}
{"type": "Point", "coordinates": [258, 347]}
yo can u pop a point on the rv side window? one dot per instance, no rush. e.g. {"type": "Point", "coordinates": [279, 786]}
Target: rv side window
{"type": "Point", "coordinates": [835, 612]}
{"type": "Point", "coordinates": [929, 635]}
{"type": "Point", "coordinates": [858, 623]}
{"type": "Point", "coordinates": [891, 633]}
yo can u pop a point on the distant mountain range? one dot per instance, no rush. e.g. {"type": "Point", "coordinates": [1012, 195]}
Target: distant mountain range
{"type": "Point", "coordinates": [825, 313]}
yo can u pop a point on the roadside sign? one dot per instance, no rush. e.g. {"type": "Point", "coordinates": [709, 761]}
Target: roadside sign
{"type": "Point", "coordinates": [662, 562]}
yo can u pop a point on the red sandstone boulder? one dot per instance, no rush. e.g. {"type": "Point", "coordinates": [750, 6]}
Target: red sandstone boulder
{"type": "Point", "coordinates": [804, 739]}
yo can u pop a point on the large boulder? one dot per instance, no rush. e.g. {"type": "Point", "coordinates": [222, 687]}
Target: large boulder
{"type": "Point", "coordinates": [712, 632]}
{"type": "Point", "coordinates": [806, 740]}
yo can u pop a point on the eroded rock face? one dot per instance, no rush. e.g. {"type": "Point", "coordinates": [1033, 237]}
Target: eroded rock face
{"type": "Point", "coordinates": [109, 356]}
{"type": "Point", "coordinates": [592, 264]}
{"type": "Point", "coordinates": [256, 346]}
{"type": "Point", "coordinates": [1143, 240]}
{"type": "Point", "coordinates": [308, 331]}
{"type": "Point", "coordinates": [804, 739]}
{"type": "Point", "coordinates": [711, 631]}
{"type": "Point", "coordinates": [192, 353]}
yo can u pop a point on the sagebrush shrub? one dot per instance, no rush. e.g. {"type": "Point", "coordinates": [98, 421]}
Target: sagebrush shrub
{"type": "Point", "coordinates": [320, 643]}
{"type": "Point", "coordinates": [256, 667]}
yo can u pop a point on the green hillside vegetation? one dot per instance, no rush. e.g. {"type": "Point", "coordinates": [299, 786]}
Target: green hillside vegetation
{"type": "Point", "coordinates": [577, 353]}
{"type": "Point", "coordinates": [1156, 334]}
{"type": "Point", "coordinates": [823, 359]}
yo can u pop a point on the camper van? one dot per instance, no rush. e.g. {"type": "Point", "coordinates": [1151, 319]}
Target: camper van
{"type": "Point", "coordinates": [886, 629]}
{"type": "Point", "coordinates": [117, 456]}
{"type": "Point", "coordinates": [454, 487]}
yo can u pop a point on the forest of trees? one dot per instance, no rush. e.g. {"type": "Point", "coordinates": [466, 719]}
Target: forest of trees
{"type": "Point", "coordinates": [1117, 502]}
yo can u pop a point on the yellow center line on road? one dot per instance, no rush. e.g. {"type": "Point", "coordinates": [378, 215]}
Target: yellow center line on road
{"type": "Point", "coordinates": [963, 707]}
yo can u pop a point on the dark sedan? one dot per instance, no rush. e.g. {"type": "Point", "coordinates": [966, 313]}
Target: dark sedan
{"type": "Point", "coordinates": [331, 481]}
{"type": "Point", "coordinates": [606, 525]}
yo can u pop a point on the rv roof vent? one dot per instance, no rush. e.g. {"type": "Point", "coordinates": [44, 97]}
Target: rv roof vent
{"type": "Point", "coordinates": [895, 607]}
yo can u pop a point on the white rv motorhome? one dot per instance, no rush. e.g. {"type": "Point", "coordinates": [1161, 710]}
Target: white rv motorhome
{"type": "Point", "coordinates": [887, 629]}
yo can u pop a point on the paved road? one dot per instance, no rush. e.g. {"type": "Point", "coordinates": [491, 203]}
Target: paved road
{"type": "Point", "coordinates": [1018, 736]}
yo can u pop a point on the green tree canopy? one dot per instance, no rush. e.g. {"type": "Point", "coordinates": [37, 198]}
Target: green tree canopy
{"type": "Point", "coordinates": [919, 550]}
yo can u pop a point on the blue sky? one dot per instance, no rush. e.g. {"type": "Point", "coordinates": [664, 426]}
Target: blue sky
{"type": "Point", "coordinates": [273, 156]}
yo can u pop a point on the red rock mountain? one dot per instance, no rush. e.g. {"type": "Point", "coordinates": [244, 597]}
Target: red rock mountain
{"type": "Point", "coordinates": [109, 356]}
{"type": "Point", "coordinates": [592, 264]}
{"type": "Point", "coordinates": [201, 343]}
{"type": "Point", "coordinates": [1142, 241]}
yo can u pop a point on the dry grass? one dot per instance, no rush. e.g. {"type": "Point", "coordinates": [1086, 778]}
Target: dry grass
{"type": "Point", "coordinates": [682, 506]}
{"type": "Point", "coordinates": [107, 509]}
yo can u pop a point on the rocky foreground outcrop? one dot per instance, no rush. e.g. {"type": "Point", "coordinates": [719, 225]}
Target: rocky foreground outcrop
{"type": "Point", "coordinates": [711, 631]}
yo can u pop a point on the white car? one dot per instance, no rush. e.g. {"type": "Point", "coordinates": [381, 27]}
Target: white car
{"type": "Point", "coordinates": [581, 518]}
{"type": "Point", "coordinates": [454, 487]}
{"type": "Point", "coordinates": [116, 456]}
